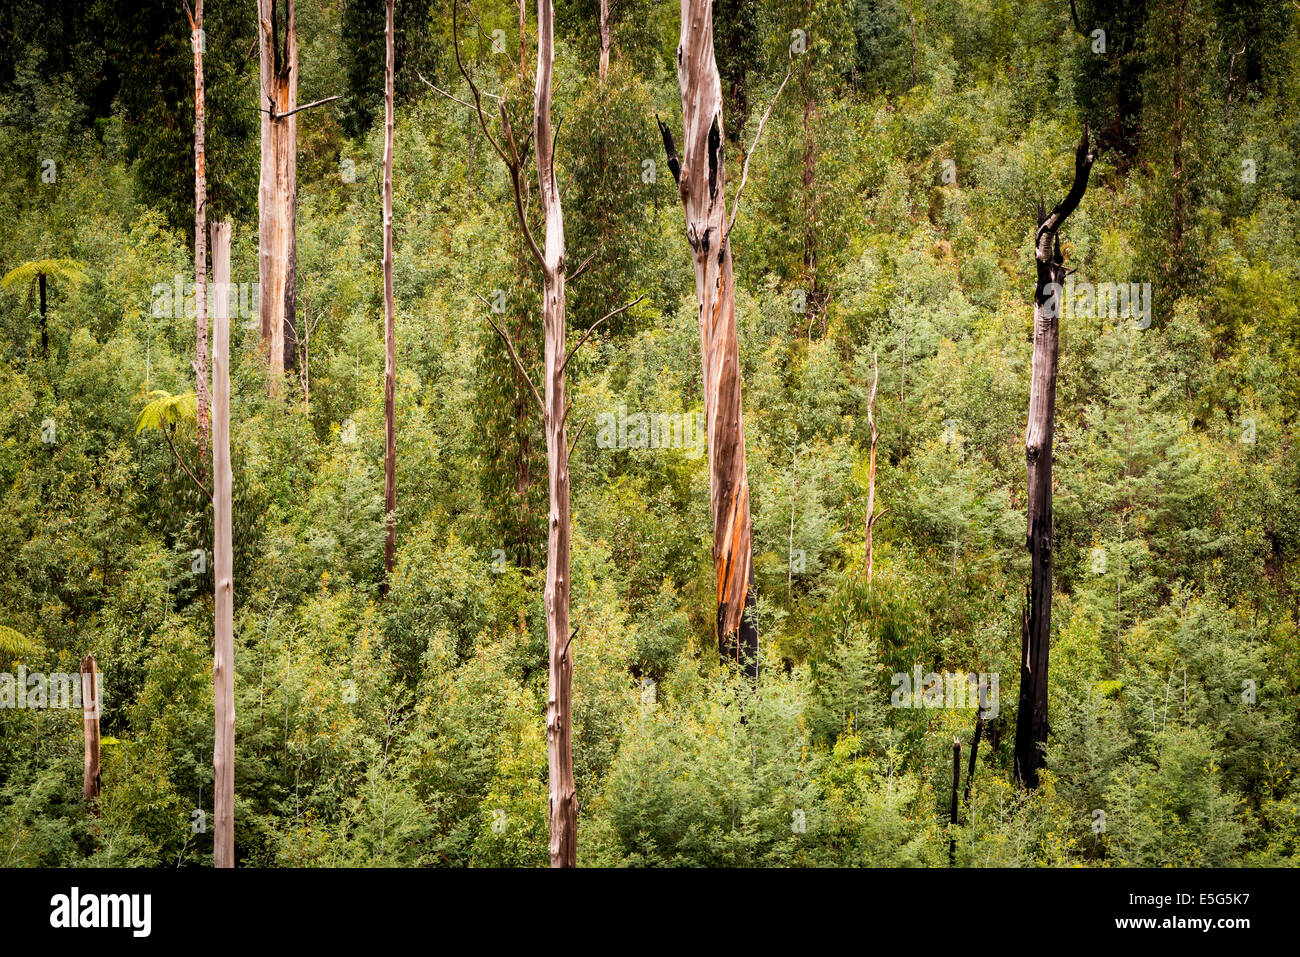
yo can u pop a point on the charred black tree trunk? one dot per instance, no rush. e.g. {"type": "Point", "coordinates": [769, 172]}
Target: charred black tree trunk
{"type": "Point", "coordinates": [1031, 719]}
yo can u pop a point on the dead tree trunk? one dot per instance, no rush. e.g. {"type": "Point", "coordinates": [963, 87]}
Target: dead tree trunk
{"type": "Point", "coordinates": [701, 178]}
{"type": "Point", "coordinates": [952, 809]}
{"type": "Point", "coordinates": [604, 40]}
{"type": "Point", "coordinates": [278, 184]}
{"type": "Point", "coordinates": [390, 334]}
{"type": "Point", "coordinates": [872, 515]}
{"type": "Point", "coordinates": [974, 744]}
{"type": "Point", "coordinates": [277, 194]}
{"type": "Point", "coordinates": [1031, 719]}
{"type": "Point", "coordinates": [223, 659]}
{"type": "Point", "coordinates": [204, 411]}
{"type": "Point", "coordinates": [90, 711]}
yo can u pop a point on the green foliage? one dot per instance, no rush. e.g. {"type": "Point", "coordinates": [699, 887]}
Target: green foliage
{"type": "Point", "coordinates": [401, 720]}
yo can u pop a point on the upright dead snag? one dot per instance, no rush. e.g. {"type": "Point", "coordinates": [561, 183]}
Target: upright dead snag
{"type": "Point", "coordinates": [277, 195]}
{"type": "Point", "coordinates": [90, 711]}
{"type": "Point", "coordinates": [204, 399]}
{"type": "Point", "coordinates": [390, 334]}
{"type": "Point", "coordinates": [701, 183]}
{"type": "Point", "coordinates": [1031, 719]}
{"type": "Point", "coordinates": [605, 6]}
{"type": "Point", "coordinates": [223, 649]}
{"type": "Point", "coordinates": [952, 808]}
{"type": "Point", "coordinates": [872, 515]}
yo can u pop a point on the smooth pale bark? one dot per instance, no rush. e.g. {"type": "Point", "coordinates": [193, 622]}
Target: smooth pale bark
{"type": "Point", "coordinates": [223, 657]}
{"type": "Point", "coordinates": [872, 515]}
{"type": "Point", "coordinates": [1036, 626]}
{"type": "Point", "coordinates": [562, 809]}
{"type": "Point", "coordinates": [278, 184]}
{"type": "Point", "coordinates": [701, 177]}
{"type": "Point", "coordinates": [90, 711]}
{"type": "Point", "coordinates": [200, 239]}
{"type": "Point", "coordinates": [559, 699]}
{"type": "Point", "coordinates": [390, 334]}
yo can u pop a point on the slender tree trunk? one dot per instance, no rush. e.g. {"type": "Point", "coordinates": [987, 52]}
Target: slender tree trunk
{"type": "Point", "coordinates": [701, 178]}
{"type": "Point", "coordinates": [45, 330]}
{"type": "Point", "coordinates": [974, 745]}
{"type": "Point", "coordinates": [91, 704]}
{"type": "Point", "coordinates": [604, 41]}
{"type": "Point", "coordinates": [223, 659]}
{"type": "Point", "coordinates": [1031, 719]}
{"type": "Point", "coordinates": [390, 334]}
{"type": "Point", "coordinates": [278, 185]}
{"type": "Point", "coordinates": [559, 703]}
{"type": "Point", "coordinates": [1178, 217]}
{"type": "Point", "coordinates": [953, 807]}
{"type": "Point", "coordinates": [200, 239]}
{"type": "Point", "coordinates": [872, 515]}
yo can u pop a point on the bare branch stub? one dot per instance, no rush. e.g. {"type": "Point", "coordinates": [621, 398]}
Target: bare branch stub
{"type": "Point", "coordinates": [670, 148]}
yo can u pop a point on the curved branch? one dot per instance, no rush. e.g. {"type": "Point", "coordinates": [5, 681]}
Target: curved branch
{"type": "Point", "coordinates": [1084, 156]}
{"type": "Point", "coordinates": [510, 346]}
{"type": "Point", "coordinates": [744, 172]}
{"type": "Point", "coordinates": [592, 328]}
{"type": "Point", "coordinates": [202, 488]}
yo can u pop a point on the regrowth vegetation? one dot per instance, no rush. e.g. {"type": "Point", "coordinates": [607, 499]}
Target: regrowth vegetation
{"type": "Point", "coordinates": [728, 584]}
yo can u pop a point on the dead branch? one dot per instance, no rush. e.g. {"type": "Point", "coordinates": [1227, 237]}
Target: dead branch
{"type": "Point", "coordinates": [744, 171]}
{"type": "Point", "coordinates": [510, 346]}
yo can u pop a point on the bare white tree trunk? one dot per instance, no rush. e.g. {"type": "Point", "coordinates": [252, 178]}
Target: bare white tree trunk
{"type": "Point", "coordinates": [559, 698]}
{"type": "Point", "coordinates": [223, 658]}
{"type": "Point", "coordinates": [90, 711]}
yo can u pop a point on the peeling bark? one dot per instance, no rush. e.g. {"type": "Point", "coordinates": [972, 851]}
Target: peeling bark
{"type": "Point", "coordinates": [563, 804]}
{"type": "Point", "coordinates": [701, 178]}
{"type": "Point", "coordinates": [278, 185]}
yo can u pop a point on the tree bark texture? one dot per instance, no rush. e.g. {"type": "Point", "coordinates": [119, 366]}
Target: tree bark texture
{"type": "Point", "coordinates": [223, 658]}
{"type": "Point", "coordinates": [390, 334]}
{"type": "Point", "coordinates": [1031, 718]}
{"type": "Point", "coordinates": [278, 184]}
{"type": "Point", "coordinates": [90, 711]}
{"type": "Point", "coordinates": [604, 40]}
{"type": "Point", "coordinates": [204, 411]}
{"type": "Point", "coordinates": [700, 176]}
{"type": "Point", "coordinates": [559, 701]}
